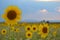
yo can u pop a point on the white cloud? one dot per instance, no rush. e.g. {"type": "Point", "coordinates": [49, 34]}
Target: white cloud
{"type": "Point", "coordinates": [46, 0]}
{"type": "Point", "coordinates": [43, 11]}
{"type": "Point", "coordinates": [58, 9]}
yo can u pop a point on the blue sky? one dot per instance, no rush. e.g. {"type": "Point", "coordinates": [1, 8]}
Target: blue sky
{"type": "Point", "coordinates": [34, 10]}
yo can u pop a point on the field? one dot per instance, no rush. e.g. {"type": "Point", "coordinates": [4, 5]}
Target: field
{"type": "Point", "coordinates": [18, 31]}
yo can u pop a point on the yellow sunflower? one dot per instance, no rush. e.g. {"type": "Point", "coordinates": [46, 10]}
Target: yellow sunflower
{"type": "Point", "coordinates": [40, 26]}
{"type": "Point", "coordinates": [44, 30]}
{"type": "Point", "coordinates": [34, 28]}
{"type": "Point", "coordinates": [54, 33]}
{"type": "Point", "coordinates": [16, 30]}
{"type": "Point", "coordinates": [23, 24]}
{"type": "Point", "coordinates": [55, 26]}
{"type": "Point", "coordinates": [28, 28]}
{"type": "Point", "coordinates": [28, 34]}
{"type": "Point", "coordinates": [12, 28]}
{"type": "Point", "coordinates": [12, 15]}
{"type": "Point", "coordinates": [3, 32]}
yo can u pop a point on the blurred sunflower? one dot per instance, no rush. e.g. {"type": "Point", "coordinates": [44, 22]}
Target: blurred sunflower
{"type": "Point", "coordinates": [44, 30]}
{"type": "Point", "coordinates": [12, 15]}
{"type": "Point", "coordinates": [34, 28]}
{"type": "Point", "coordinates": [3, 32]}
{"type": "Point", "coordinates": [55, 26]}
{"type": "Point", "coordinates": [23, 24]}
{"type": "Point", "coordinates": [16, 30]}
{"type": "Point", "coordinates": [12, 28]}
{"type": "Point", "coordinates": [40, 26]}
{"type": "Point", "coordinates": [28, 28]}
{"type": "Point", "coordinates": [28, 34]}
{"type": "Point", "coordinates": [54, 33]}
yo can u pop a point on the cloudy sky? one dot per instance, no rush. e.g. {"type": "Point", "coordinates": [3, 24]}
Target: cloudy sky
{"type": "Point", "coordinates": [34, 10]}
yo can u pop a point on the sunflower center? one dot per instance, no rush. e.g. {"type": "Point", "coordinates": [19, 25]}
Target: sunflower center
{"type": "Point", "coordinates": [44, 30]}
{"type": "Point", "coordinates": [28, 34]}
{"type": "Point", "coordinates": [11, 15]}
{"type": "Point", "coordinates": [34, 28]}
{"type": "Point", "coordinates": [28, 28]}
{"type": "Point", "coordinates": [15, 29]}
{"type": "Point", "coordinates": [3, 31]}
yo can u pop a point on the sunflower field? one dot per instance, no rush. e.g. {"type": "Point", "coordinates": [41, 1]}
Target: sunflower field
{"type": "Point", "coordinates": [30, 31]}
{"type": "Point", "coordinates": [12, 29]}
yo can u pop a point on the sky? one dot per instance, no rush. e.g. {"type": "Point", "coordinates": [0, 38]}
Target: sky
{"type": "Point", "coordinates": [34, 10]}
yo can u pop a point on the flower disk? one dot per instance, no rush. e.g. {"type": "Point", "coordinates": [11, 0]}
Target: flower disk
{"type": "Point", "coordinates": [11, 15]}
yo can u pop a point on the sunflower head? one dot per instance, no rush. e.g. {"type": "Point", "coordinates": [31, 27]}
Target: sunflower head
{"type": "Point", "coordinates": [28, 28]}
{"type": "Point", "coordinates": [55, 26]}
{"type": "Point", "coordinates": [12, 28]}
{"type": "Point", "coordinates": [54, 33]}
{"type": "Point", "coordinates": [34, 28]}
{"type": "Point", "coordinates": [16, 30]}
{"type": "Point", "coordinates": [28, 34]}
{"type": "Point", "coordinates": [3, 32]}
{"type": "Point", "coordinates": [44, 30]}
{"type": "Point", "coordinates": [12, 15]}
{"type": "Point", "coordinates": [24, 24]}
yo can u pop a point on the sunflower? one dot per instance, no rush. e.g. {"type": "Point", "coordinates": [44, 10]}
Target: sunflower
{"type": "Point", "coordinates": [28, 34]}
{"type": "Point", "coordinates": [40, 26]}
{"type": "Point", "coordinates": [34, 28]}
{"type": "Point", "coordinates": [3, 32]}
{"type": "Point", "coordinates": [12, 28]}
{"type": "Point", "coordinates": [28, 28]}
{"type": "Point", "coordinates": [23, 24]}
{"type": "Point", "coordinates": [55, 26]}
{"type": "Point", "coordinates": [12, 15]}
{"type": "Point", "coordinates": [44, 30]}
{"type": "Point", "coordinates": [16, 30]}
{"type": "Point", "coordinates": [54, 33]}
